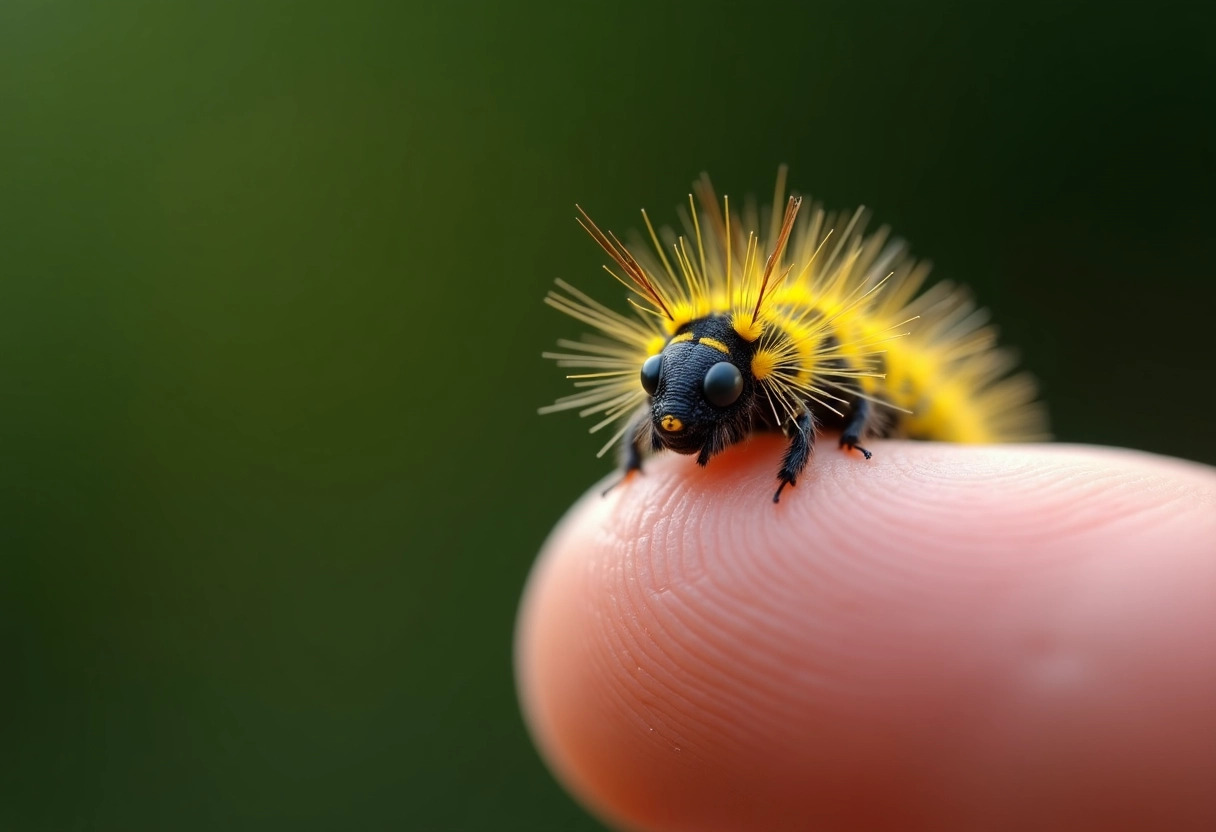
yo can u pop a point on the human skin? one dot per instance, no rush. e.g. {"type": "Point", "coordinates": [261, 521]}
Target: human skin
{"type": "Point", "coordinates": [942, 638]}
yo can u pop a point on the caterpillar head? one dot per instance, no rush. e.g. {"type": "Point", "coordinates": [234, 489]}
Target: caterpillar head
{"type": "Point", "coordinates": [699, 396]}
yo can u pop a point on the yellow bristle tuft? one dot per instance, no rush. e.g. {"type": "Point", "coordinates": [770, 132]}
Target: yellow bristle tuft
{"type": "Point", "coordinates": [763, 364]}
{"type": "Point", "coordinates": [748, 328]}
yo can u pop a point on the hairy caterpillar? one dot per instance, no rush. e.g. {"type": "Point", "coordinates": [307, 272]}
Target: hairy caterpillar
{"type": "Point", "coordinates": [801, 328]}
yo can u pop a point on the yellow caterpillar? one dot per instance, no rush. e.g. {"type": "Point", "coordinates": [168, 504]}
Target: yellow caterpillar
{"type": "Point", "coordinates": [809, 325]}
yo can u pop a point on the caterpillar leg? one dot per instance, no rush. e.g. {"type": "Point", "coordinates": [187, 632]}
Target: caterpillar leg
{"type": "Point", "coordinates": [638, 438]}
{"type": "Point", "coordinates": [855, 428]}
{"type": "Point", "coordinates": [802, 440]}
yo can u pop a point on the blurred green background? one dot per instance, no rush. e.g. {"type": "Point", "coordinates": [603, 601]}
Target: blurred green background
{"type": "Point", "coordinates": [270, 323]}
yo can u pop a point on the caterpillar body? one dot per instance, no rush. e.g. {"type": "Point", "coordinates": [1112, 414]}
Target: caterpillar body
{"type": "Point", "coordinates": [813, 324]}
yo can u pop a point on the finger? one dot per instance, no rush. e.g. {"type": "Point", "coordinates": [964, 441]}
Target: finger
{"type": "Point", "coordinates": [944, 637]}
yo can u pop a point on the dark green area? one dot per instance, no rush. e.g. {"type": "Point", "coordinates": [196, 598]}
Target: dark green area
{"type": "Point", "coordinates": [270, 324]}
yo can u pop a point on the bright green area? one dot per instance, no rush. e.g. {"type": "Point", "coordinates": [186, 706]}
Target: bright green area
{"type": "Point", "coordinates": [270, 324]}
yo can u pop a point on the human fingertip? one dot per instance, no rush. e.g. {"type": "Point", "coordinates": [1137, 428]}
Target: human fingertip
{"type": "Point", "coordinates": [939, 638]}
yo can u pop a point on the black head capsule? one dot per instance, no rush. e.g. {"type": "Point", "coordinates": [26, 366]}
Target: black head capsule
{"type": "Point", "coordinates": [700, 396]}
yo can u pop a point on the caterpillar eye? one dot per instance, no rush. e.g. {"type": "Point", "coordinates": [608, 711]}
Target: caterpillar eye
{"type": "Point", "coordinates": [723, 384]}
{"type": "Point", "coordinates": [650, 373]}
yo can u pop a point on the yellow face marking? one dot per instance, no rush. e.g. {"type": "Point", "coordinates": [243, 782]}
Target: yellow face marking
{"type": "Point", "coordinates": [655, 345]}
{"type": "Point", "coordinates": [671, 424]}
{"type": "Point", "coordinates": [716, 344]}
{"type": "Point", "coordinates": [681, 338]}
